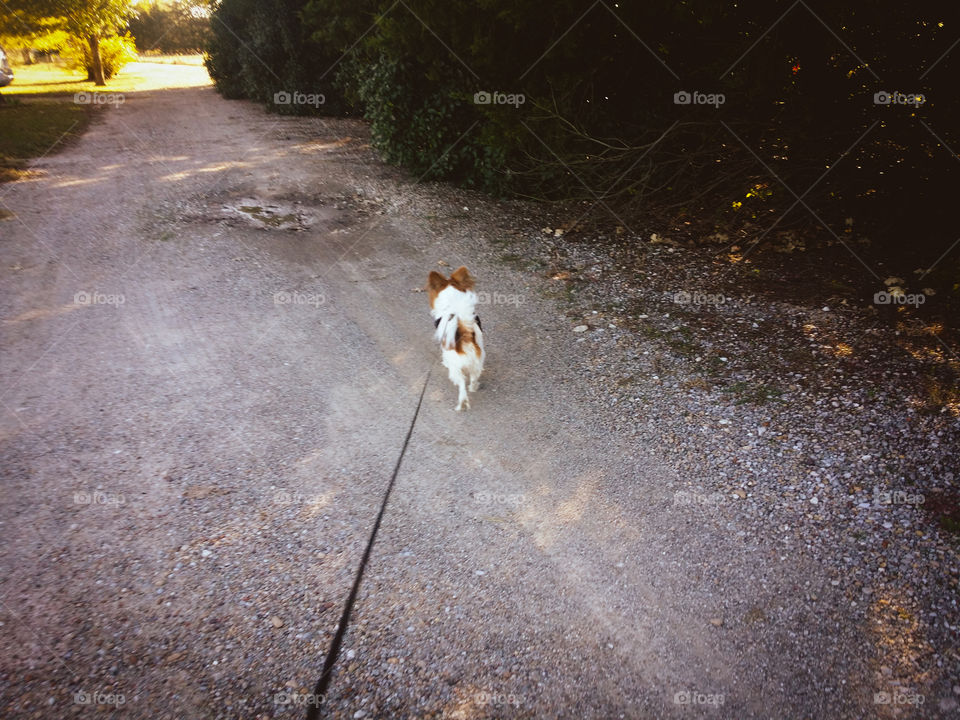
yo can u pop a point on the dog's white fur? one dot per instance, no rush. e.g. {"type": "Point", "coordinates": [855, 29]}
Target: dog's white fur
{"type": "Point", "coordinates": [455, 310]}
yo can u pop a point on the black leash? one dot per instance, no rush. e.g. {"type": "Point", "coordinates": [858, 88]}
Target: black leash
{"type": "Point", "coordinates": [333, 654]}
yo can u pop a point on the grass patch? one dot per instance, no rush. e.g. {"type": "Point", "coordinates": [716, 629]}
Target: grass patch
{"type": "Point", "coordinates": [53, 79]}
{"type": "Point", "coordinates": [32, 129]}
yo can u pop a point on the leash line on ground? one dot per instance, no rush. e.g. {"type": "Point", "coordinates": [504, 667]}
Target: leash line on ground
{"type": "Point", "coordinates": [333, 654]}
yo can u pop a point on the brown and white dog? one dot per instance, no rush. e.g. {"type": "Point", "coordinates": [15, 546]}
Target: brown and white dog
{"type": "Point", "coordinates": [453, 305]}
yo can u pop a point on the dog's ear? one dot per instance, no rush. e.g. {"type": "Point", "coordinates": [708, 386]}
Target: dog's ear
{"type": "Point", "coordinates": [462, 279]}
{"type": "Point", "coordinates": [436, 282]}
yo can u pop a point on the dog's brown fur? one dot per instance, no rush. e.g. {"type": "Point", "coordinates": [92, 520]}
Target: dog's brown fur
{"type": "Point", "coordinates": [461, 279]}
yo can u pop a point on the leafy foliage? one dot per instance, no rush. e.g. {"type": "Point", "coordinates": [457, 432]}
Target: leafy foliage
{"type": "Point", "coordinates": [115, 52]}
{"type": "Point", "coordinates": [601, 118]}
{"type": "Point", "coordinates": [169, 27]}
{"type": "Point", "coordinates": [259, 48]}
{"type": "Point", "coordinates": [90, 20]}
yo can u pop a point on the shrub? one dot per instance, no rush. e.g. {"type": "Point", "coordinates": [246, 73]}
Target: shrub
{"type": "Point", "coordinates": [115, 52]}
{"type": "Point", "coordinates": [258, 48]}
{"type": "Point", "coordinates": [422, 123]}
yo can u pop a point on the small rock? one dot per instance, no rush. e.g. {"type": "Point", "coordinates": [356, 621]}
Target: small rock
{"type": "Point", "coordinates": [716, 622]}
{"type": "Point", "coordinates": [360, 714]}
{"type": "Point", "coordinates": [276, 622]}
{"type": "Point", "coordinates": [580, 328]}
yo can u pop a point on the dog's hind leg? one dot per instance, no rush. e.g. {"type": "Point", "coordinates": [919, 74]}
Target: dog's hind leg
{"type": "Point", "coordinates": [458, 378]}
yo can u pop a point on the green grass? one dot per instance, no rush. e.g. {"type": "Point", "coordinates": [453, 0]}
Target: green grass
{"type": "Point", "coordinates": [39, 115]}
{"type": "Point", "coordinates": [52, 79]}
{"type": "Point", "coordinates": [32, 129]}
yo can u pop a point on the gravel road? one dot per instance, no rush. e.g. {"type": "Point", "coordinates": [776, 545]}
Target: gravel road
{"type": "Point", "coordinates": [214, 341]}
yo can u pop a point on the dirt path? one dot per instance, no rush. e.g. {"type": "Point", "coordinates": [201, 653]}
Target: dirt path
{"type": "Point", "coordinates": [211, 354]}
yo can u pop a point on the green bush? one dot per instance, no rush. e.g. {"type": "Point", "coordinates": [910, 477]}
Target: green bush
{"type": "Point", "coordinates": [259, 48]}
{"type": "Point", "coordinates": [423, 124]}
{"type": "Point", "coordinates": [115, 52]}
{"type": "Point", "coordinates": [611, 105]}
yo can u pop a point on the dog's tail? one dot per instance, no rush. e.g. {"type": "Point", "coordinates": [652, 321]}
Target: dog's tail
{"type": "Point", "coordinates": [447, 326]}
{"type": "Point", "coordinates": [453, 307]}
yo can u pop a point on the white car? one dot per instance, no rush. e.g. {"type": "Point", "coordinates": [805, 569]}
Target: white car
{"type": "Point", "coordinates": [6, 74]}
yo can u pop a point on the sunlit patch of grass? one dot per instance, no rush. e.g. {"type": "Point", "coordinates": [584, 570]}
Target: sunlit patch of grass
{"type": "Point", "coordinates": [51, 78]}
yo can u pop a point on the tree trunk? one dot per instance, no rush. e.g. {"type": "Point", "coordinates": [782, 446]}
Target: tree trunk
{"type": "Point", "coordinates": [97, 63]}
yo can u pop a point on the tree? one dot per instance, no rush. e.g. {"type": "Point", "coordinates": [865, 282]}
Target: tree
{"type": "Point", "coordinates": [90, 20]}
{"type": "Point", "coordinates": [44, 35]}
{"type": "Point", "coordinates": [170, 26]}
